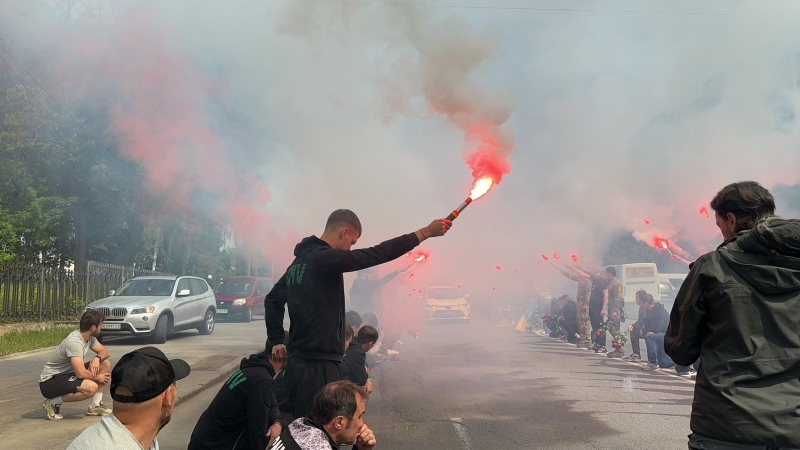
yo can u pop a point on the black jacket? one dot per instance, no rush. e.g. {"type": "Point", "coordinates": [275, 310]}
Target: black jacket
{"type": "Point", "coordinates": [354, 366]}
{"type": "Point", "coordinates": [739, 312]}
{"type": "Point", "coordinates": [242, 411]}
{"type": "Point", "coordinates": [570, 314]}
{"type": "Point", "coordinates": [363, 290]}
{"type": "Point", "coordinates": [313, 288]}
{"type": "Point", "coordinates": [656, 320]}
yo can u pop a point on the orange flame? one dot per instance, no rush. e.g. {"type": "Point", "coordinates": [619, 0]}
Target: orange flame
{"type": "Point", "coordinates": [556, 256]}
{"type": "Point", "coordinates": [410, 275]}
{"type": "Point", "coordinates": [574, 257]}
{"type": "Point", "coordinates": [661, 243]}
{"type": "Point", "coordinates": [420, 258]}
{"type": "Point", "coordinates": [481, 187]}
{"type": "Point", "coordinates": [704, 212]}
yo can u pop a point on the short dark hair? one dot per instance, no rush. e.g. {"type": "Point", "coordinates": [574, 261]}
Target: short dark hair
{"type": "Point", "coordinates": [371, 319]}
{"type": "Point", "coordinates": [353, 318]}
{"type": "Point", "coordinates": [348, 333]}
{"type": "Point", "coordinates": [649, 298]}
{"type": "Point", "coordinates": [611, 270]}
{"type": "Point", "coordinates": [748, 201]}
{"type": "Point", "coordinates": [90, 318]}
{"type": "Point", "coordinates": [343, 217]}
{"type": "Point", "coordinates": [336, 399]}
{"type": "Point", "coordinates": [368, 333]}
{"type": "Point", "coordinates": [563, 297]}
{"type": "Point", "coordinates": [642, 295]}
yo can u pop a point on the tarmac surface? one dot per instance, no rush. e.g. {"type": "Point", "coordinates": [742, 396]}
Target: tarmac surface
{"type": "Point", "coordinates": [477, 385]}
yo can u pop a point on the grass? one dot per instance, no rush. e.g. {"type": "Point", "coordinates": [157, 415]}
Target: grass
{"type": "Point", "coordinates": [23, 341]}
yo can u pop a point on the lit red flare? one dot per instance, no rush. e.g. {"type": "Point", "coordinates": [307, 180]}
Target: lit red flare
{"type": "Point", "coordinates": [481, 187]}
{"type": "Point", "coordinates": [704, 212]}
{"type": "Point", "coordinates": [556, 256]}
{"type": "Point", "coordinates": [661, 243]}
{"type": "Point", "coordinates": [420, 258]}
{"type": "Point", "coordinates": [646, 222]}
{"type": "Point", "coordinates": [459, 286]}
{"type": "Point", "coordinates": [574, 257]}
{"type": "Point", "coordinates": [410, 275]}
{"type": "Point", "coordinates": [544, 257]}
{"type": "Point", "coordinates": [497, 267]}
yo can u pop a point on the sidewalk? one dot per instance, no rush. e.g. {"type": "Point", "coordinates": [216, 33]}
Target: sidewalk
{"type": "Point", "coordinates": [24, 425]}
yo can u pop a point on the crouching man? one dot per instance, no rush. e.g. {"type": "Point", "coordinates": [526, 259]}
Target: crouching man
{"type": "Point", "coordinates": [337, 418]}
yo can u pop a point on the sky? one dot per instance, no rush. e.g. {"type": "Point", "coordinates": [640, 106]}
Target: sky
{"type": "Point", "coordinates": [602, 113]}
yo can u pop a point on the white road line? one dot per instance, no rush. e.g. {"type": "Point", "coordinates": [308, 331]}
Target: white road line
{"type": "Point", "coordinates": [462, 432]}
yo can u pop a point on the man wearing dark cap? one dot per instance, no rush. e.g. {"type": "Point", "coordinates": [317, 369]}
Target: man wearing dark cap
{"type": "Point", "coordinates": [144, 393]}
{"type": "Point", "coordinates": [313, 289]}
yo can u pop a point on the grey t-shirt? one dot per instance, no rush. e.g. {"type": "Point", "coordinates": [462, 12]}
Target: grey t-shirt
{"type": "Point", "coordinates": [59, 361]}
{"type": "Point", "coordinates": [109, 433]}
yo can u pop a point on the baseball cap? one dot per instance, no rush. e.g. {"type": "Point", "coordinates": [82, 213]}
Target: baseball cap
{"type": "Point", "coordinates": [147, 373]}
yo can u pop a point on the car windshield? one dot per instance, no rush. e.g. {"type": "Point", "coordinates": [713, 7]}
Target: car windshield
{"type": "Point", "coordinates": [235, 287]}
{"type": "Point", "coordinates": [146, 288]}
{"type": "Point", "coordinates": [444, 293]}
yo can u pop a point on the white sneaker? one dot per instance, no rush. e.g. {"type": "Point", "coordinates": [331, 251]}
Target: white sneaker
{"type": "Point", "coordinates": [391, 352]}
{"type": "Point", "coordinates": [53, 411]}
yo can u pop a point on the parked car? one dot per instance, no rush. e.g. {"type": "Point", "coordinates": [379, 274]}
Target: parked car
{"type": "Point", "coordinates": [158, 306]}
{"type": "Point", "coordinates": [241, 297]}
{"type": "Point", "coordinates": [446, 303]}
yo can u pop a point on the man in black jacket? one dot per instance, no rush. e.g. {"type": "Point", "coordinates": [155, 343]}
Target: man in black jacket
{"type": "Point", "coordinates": [313, 288]}
{"type": "Point", "coordinates": [738, 311]}
{"type": "Point", "coordinates": [655, 325]}
{"type": "Point", "coordinates": [569, 318]}
{"type": "Point", "coordinates": [244, 414]}
{"type": "Point", "coordinates": [354, 363]}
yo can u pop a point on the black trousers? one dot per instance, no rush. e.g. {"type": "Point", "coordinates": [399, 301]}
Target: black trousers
{"type": "Point", "coordinates": [306, 377]}
{"type": "Point", "coordinates": [570, 329]}
{"type": "Point", "coordinates": [597, 319]}
{"type": "Point", "coordinates": [636, 334]}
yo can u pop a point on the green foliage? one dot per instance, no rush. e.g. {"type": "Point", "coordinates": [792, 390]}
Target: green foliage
{"type": "Point", "coordinates": [26, 340]}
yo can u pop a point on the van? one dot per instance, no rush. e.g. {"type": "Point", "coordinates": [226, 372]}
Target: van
{"type": "Point", "coordinates": [241, 297]}
{"type": "Point", "coordinates": [636, 277]}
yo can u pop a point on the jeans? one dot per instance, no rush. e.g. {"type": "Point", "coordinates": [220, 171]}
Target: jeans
{"type": "Point", "coordinates": [655, 350]}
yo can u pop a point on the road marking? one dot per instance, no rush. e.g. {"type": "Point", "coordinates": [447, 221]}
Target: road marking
{"type": "Point", "coordinates": [462, 432]}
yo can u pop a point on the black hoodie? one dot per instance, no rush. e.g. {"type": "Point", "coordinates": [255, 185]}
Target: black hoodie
{"type": "Point", "coordinates": [656, 320]}
{"type": "Point", "coordinates": [739, 312]}
{"type": "Point", "coordinates": [242, 411]}
{"type": "Point", "coordinates": [313, 288]}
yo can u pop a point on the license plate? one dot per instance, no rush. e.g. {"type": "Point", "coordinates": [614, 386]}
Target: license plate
{"type": "Point", "coordinates": [112, 326]}
{"type": "Point", "coordinates": [222, 311]}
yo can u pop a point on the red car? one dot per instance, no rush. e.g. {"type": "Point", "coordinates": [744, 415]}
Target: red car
{"type": "Point", "coordinates": [241, 297]}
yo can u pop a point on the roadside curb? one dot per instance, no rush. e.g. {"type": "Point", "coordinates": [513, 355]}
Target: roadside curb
{"type": "Point", "coordinates": [26, 353]}
{"type": "Point", "coordinates": [221, 374]}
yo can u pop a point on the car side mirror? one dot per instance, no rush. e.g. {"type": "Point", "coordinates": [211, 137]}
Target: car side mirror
{"type": "Point", "coordinates": [184, 293]}
{"type": "Point", "coordinates": [111, 292]}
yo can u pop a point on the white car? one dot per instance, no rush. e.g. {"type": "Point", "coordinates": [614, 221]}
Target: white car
{"type": "Point", "coordinates": [446, 303]}
{"type": "Point", "coordinates": [157, 306]}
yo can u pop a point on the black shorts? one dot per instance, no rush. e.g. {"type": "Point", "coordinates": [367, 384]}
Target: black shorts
{"type": "Point", "coordinates": [61, 384]}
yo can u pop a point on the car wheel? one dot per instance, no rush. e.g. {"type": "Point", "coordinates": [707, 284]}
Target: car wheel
{"type": "Point", "coordinates": [160, 334]}
{"type": "Point", "coordinates": [208, 323]}
{"type": "Point", "coordinates": [248, 315]}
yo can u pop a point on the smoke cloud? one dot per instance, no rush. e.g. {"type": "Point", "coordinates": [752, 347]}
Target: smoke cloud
{"type": "Point", "coordinates": [269, 116]}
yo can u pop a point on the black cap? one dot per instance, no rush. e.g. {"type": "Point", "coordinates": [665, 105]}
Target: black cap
{"type": "Point", "coordinates": [147, 373]}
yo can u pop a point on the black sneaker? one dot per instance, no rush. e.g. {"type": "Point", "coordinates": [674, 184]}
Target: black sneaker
{"type": "Point", "coordinates": [686, 373]}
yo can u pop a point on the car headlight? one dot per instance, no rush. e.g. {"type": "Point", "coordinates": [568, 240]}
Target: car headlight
{"type": "Point", "coordinates": [144, 310]}
{"type": "Point", "coordinates": [432, 306]}
{"type": "Point", "coordinates": [239, 301]}
{"type": "Point", "coordinates": [138, 310]}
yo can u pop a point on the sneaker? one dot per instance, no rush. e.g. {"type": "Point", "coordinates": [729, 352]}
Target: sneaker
{"type": "Point", "coordinates": [53, 411]}
{"type": "Point", "coordinates": [650, 367]}
{"type": "Point", "coordinates": [391, 352]}
{"type": "Point", "coordinates": [634, 357]}
{"type": "Point", "coordinates": [616, 354]}
{"type": "Point", "coordinates": [601, 350]}
{"type": "Point", "coordinates": [99, 410]}
{"type": "Point", "coordinates": [687, 373]}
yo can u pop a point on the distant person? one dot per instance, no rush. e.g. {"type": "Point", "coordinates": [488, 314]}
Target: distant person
{"type": "Point", "coordinates": [68, 378]}
{"type": "Point", "coordinates": [598, 303]}
{"type": "Point", "coordinates": [616, 309]}
{"type": "Point", "coordinates": [144, 393]}
{"type": "Point", "coordinates": [244, 414]}
{"type": "Point", "coordinates": [354, 364]}
{"type": "Point", "coordinates": [637, 329]}
{"type": "Point", "coordinates": [655, 325]}
{"type": "Point", "coordinates": [582, 306]}
{"type": "Point", "coordinates": [556, 331]}
{"type": "Point", "coordinates": [569, 319]}
{"type": "Point", "coordinates": [738, 310]}
{"type": "Point", "coordinates": [313, 288]}
{"type": "Point", "coordinates": [336, 419]}
{"type": "Point", "coordinates": [353, 319]}
{"type": "Point", "coordinates": [363, 290]}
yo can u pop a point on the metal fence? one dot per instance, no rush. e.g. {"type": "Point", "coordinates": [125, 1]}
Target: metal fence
{"type": "Point", "coordinates": [31, 292]}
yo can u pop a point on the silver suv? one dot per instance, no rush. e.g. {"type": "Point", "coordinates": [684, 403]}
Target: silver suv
{"type": "Point", "coordinates": [157, 306]}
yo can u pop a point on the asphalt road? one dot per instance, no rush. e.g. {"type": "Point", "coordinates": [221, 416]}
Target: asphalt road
{"type": "Point", "coordinates": [477, 385]}
{"type": "Point", "coordinates": [23, 423]}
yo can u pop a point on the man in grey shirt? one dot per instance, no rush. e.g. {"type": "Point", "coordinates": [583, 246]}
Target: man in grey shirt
{"type": "Point", "coordinates": [68, 378]}
{"type": "Point", "coordinates": [144, 393]}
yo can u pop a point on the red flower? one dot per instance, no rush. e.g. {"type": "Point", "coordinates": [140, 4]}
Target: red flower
{"type": "Point", "coordinates": [598, 333]}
